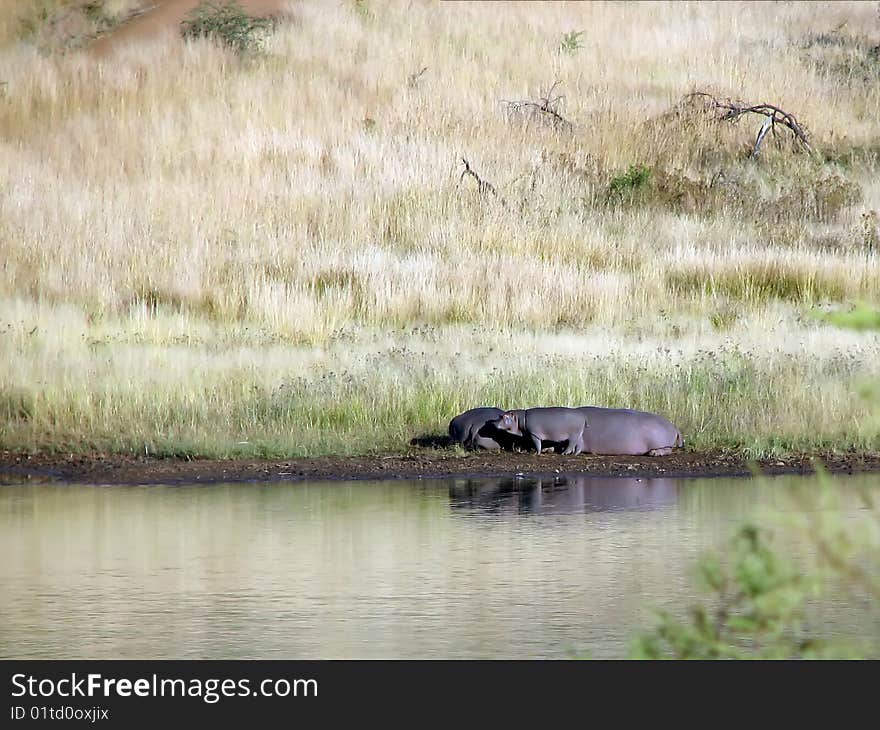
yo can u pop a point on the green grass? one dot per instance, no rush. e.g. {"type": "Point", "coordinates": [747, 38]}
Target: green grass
{"type": "Point", "coordinates": [271, 401]}
{"type": "Point", "coordinates": [759, 283]}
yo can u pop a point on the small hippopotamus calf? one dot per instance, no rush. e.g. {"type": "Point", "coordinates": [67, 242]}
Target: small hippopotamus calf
{"type": "Point", "coordinates": [546, 424]}
{"type": "Point", "coordinates": [475, 429]}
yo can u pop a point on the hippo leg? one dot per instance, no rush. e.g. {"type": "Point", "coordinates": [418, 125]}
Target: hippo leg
{"type": "Point", "coordinates": [537, 442]}
{"type": "Point", "coordinates": [665, 451]}
{"type": "Point", "coordinates": [575, 446]}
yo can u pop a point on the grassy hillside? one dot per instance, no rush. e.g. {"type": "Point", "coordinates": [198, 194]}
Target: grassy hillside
{"type": "Point", "coordinates": [215, 254]}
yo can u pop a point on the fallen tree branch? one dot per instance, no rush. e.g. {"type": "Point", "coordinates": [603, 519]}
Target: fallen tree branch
{"type": "Point", "coordinates": [732, 111]}
{"type": "Point", "coordinates": [547, 107]}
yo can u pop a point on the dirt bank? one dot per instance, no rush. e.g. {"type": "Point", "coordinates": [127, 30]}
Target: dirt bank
{"type": "Point", "coordinates": [163, 17]}
{"type": "Point", "coordinates": [115, 469]}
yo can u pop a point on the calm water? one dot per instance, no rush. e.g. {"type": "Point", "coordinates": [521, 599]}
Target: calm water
{"type": "Point", "coordinates": [451, 568]}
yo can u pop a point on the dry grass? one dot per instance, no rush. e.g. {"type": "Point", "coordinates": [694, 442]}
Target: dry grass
{"type": "Point", "coordinates": [277, 250]}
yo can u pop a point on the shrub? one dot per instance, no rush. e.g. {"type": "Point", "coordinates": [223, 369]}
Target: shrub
{"type": "Point", "coordinates": [635, 178]}
{"type": "Point", "coordinates": [571, 41]}
{"type": "Point", "coordinates": [755, 610]}
{"type": "Point", "coordinates": [227, 23]}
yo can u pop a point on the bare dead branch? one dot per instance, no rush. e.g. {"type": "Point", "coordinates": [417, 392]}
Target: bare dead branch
{"type": "Point", "coordinates": [546, 108]}
{"type": "Point", "coordinates": [482, 185]}
{"type": "Point", "coordinates": [732, 111]}
{"type": "Point", "coordinates": [414, 78]}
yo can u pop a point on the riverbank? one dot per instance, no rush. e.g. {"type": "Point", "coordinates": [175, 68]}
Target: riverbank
{"type": "Point", "coordinates": [104, 469]}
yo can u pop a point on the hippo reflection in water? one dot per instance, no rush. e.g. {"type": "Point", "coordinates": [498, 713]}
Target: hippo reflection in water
{"type": "Point", "coordinates": [562, 494]}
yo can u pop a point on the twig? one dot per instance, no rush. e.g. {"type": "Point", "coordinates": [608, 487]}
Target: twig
{"type": "Point", "coordinates": [732, 111]}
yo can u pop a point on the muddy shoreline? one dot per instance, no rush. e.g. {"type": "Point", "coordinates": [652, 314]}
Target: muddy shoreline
{"type": "Point", "coordinates": [104, 469]}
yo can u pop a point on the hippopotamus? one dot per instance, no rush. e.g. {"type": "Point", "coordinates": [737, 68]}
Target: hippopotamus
{"type": "Point", "coordinates": [546, 424]}
{"type": "Point", "coordinates": [624, 431]}
{"type": "Point", "coordinates": [474, 429]}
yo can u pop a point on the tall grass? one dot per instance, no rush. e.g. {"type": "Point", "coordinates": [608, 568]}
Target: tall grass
{"type": "Point", "coordinates": [209, 254]}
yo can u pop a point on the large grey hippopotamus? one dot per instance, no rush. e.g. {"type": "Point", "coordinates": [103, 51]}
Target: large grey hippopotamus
{"type": "Point", "coordinates": [625, 431]}
{"type": "Point", "coordinates": [594, 430]}
{"type": "Point", "coordinates": [546, 424]}
{"type": "Point", "coordinates": [474, 429]}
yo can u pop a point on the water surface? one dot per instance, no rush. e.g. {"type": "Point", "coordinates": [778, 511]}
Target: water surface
{"type": "Point", "coordinates": [431, 568]}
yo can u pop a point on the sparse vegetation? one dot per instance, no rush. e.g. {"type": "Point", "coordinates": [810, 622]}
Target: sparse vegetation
{"type": "Point", "coordinates": [844, 55]}
{"type": "Point", "coordinates": [52, 25]}
{"type": "Point", "coordinates": [277, 257]}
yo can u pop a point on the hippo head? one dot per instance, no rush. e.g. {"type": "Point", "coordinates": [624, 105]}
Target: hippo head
{"type": "Point", "coordinates": [508, 422]}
